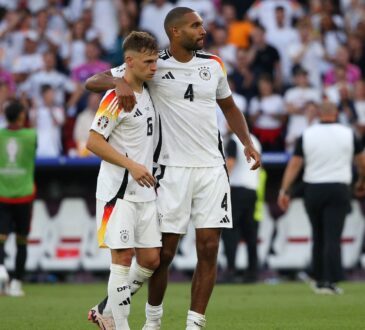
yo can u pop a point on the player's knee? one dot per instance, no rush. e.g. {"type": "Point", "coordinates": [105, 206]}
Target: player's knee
{"type": "Point", "coordinates": [152, 263]}
{"type": "Point", "coordinates": [208, 250]}
{"type": "Point", "coordinates": [166, 257]}
{"type": "Point", "coordinates": [122, 257]}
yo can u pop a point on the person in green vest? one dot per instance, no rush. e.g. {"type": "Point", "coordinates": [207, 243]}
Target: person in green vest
{"type": "Point", "coordinates": [17, 191]}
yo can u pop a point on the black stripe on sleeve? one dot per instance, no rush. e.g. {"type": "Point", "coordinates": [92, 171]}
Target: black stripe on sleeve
{"type": "Point", "coordinates": [358, 147]}
{"type": "Point", "coordinates": [298, 150]}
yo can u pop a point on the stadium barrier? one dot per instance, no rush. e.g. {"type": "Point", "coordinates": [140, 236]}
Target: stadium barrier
{"type": "Point", "coordinates": [67, 241]}
{"type": "Point", "coordinates": [63, 233]}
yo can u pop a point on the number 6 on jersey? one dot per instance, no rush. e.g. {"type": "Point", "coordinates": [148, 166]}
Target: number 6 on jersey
{"type": "Point", "coordinates": [149, 126]}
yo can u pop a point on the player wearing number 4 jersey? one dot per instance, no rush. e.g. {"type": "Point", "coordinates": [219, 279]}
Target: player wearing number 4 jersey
{"type": "Point", "coordinates": [126, 209]}
{"type": "Point", "coordinates": [192, 180]}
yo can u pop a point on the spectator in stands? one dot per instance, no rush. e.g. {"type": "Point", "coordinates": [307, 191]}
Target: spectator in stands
{"type": "Point", "coordinates": [327, 8]}
{"type": "Point", "coordinates": [4, 98]}
{"type": "Point", "coordinates": [48, 119]}
{"type": "Point", "coordinates": [31, 60]}
{"type": "Point", "coordinates": [61, 84]}
{"type": "Point", "coordinates": [242, 75]}
{"type": "Point", "coordinates": [126, 25]}
{"type": "Point", "coordinates": [299, 105]}
{"type": "Point", "coordinates": [359, 100]}
{"type": "Point", "coordinates": [264, 58]}
{"type": "Point", "coordinates": [105, 15]}
{"type": "Point", "coordinates": [50, 28]}
{"type": "Point", "coordinates": [83, 124]}
{"type": "Point", "coordinates": [326, 152]}
{"type": "Point", "coordinates": [73, 49]}
{"type": "Point", "coordinates": [347, 114]}
{"type": "Point", "coordinates": [92, 65]}
{"type": "Point", "coordinates": [353, 13]}
{"type": "Point", "coordinates": [332, 92]}
{"type": "Point", "coordinates": [239, 31]}
{"type": "Point", "coordinates": [7, 78]}
{"type": "Point", "coordinates": [152, 18]}
{"type": "Point", "coordinates": [222, 48]}
{"type": "Point", "coordinates": [281, 37]}
{"type": "Point", "coordinates": [356, 48]}
{"type": "Point", "coordinates": [263, 11]}
{"type": "Point", "coordinates": [267, 116]}
{"type": "Point", "coordinates": [308, 53]}
{"type": "Point", "coordinates": [332, 36]}
{"type": "Point", "coordinates": [17, 190]}
{"type": "Point", "coordinates": [205, 8]}
{"type": "Point", "coordinates": [342, 58]}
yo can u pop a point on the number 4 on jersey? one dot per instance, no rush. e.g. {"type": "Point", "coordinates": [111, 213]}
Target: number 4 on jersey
{"type": "Point", "coordinates": [224, 204]}
{"type": "Point", "coordinates": [189, 94]}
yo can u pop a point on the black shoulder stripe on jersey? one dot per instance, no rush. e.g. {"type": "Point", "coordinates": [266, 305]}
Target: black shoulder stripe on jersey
{"type": "Point", "coordinates": [164, 54]}
{"type": "Point", "coordinates": [200, 55]}
{"type": "Point", "coordinates": [156, 154]}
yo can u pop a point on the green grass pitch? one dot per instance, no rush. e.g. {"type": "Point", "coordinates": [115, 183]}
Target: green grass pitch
{"type": "Point", "coordinates": [232, 307]}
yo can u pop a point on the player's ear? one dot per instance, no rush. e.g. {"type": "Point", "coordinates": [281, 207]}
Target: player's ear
{"type": "Point", "coordinates": [129, 61]}
{"type": "Point", "coordinates": [175, 31]}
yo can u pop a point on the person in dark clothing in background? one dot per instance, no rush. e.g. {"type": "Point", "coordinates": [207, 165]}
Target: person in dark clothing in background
{"type": "Point", "coordinates": [326, 152]}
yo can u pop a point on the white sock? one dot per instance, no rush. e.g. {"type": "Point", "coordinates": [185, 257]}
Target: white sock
{"type": "Point", "coordinates": [195, 320]}
{"type": "Point", "coordinates": [137, 276]}
{"type": "Point", "coordinates": [154, 314]}
{"type": "Point", "coordinates": [108, 308]}
{"type": "Point", "coordinates": [119, 295]}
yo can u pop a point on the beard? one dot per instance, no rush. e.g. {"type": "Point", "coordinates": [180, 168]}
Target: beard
{"type": "Point", "coordinates": [191, 45]}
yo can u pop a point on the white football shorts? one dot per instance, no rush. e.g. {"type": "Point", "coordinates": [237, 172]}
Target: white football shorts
{"type": "Point", "coordinates": [122, 224]}
{"type": "Point", "coordinates": [199, 194]}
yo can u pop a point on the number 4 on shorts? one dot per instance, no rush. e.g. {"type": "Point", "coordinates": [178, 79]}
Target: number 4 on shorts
{"type": "Point", "coordinates": [224, 204]}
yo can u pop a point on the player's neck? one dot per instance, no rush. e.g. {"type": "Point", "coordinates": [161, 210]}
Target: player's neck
{"type": "Point", "coordinates": [135, 83]}
{"type": "Point", "coordinates": [180, 54]}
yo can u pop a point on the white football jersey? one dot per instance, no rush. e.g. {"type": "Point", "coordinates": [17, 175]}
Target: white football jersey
{"type": "Point", "coordinates": [184, 95]}
{"type": "Point", "coordinates": [131, 134]}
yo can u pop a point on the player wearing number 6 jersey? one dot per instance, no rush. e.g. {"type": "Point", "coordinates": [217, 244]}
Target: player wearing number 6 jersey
{"type": "Point", "coordinates": [126, 209]}
{"type": "Point", "coordinates": [192, 180]}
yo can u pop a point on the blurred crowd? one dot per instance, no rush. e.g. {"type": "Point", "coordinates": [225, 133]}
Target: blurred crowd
{"type": "Point", "coordinates": [283, 58]}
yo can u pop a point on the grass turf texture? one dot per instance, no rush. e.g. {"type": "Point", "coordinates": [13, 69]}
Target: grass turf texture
{"type": "Point", "coordinates": [232, 307]}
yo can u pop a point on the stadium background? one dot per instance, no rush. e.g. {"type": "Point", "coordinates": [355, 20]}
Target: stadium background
{"type": "Point", "coordinates": [62, 43]}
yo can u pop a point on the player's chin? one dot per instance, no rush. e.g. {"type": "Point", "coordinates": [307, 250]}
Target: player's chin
{"type": "Point", "coordinates": [199, 44]}
{"type": "Point", "coordinates": [149, 76]}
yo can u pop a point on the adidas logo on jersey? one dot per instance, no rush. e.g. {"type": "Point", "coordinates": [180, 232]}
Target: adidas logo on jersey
{"type": "Point", "coordinates": [168, 75]}
{"type": "Point", "coordinates": [125, 302]}
{"type": "Point", "coordinates": [225, 220]}
{"type": "Point", "coordinates": [138, 113]}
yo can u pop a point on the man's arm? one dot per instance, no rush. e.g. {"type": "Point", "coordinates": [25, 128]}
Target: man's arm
{"type": "Point", "coordinates": [103, 81]}
{"type": "Point", "coordinates": [291, 172]}
{"type": "Point", "coordinates": [98, 145]}
{"type": "Point", "coordinates": [360, 184]}
{"type": "Point", "coordinates": [238, 125]}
